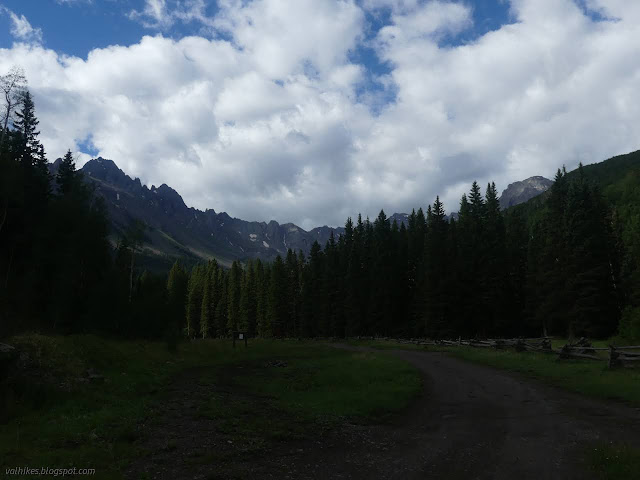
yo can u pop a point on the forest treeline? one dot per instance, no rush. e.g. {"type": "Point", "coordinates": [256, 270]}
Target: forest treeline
{"type": "Point", "coordinates": [485, 274]}
{"type": "Point", "coordinates": [565, 263]}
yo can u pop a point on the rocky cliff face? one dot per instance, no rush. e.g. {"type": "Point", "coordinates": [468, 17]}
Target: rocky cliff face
{"type": "Point", "coordinates": [520, 192]}
{"type": "Point", "coordinates": [175, 230]}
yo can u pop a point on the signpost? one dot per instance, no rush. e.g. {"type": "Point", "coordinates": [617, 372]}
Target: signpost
{"type": "Point", "coordinates": [240, 336]}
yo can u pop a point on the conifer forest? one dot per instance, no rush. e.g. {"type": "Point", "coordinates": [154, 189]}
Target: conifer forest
{"type": "Point", "coordinates": [564, 263]}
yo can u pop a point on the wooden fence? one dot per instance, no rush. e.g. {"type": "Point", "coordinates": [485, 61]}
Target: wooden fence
{"type": "Point", "coordinates": [627, 356]}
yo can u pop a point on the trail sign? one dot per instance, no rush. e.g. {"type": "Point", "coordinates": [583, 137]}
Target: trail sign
{"type": "Point", "coordinates": [239, 336]}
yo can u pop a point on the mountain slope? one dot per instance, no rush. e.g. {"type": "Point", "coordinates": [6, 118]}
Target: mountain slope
{"type": "Point", "coordinates": [175, 230]}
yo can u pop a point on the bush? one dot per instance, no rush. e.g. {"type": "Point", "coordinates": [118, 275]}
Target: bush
{"type": "Point", "coordinates": [630, 323]}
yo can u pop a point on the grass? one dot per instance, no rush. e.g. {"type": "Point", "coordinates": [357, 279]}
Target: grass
{"type": "Point", "coordinates": [587, 377]}
{"type": "Point", "coordinates": [338, 384]}
{"type": "Point", "coordinates": [615, 462]}
{"type": "Point", "coordinates": [57, 418]}
{"type": "Point", "coordinates": [384, 345]}
{"type": "Point", "coordinates": [308, 391]}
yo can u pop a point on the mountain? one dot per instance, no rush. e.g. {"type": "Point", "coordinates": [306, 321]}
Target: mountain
{"type": "Point", "coordinates": [400, 218]}
{"type": "Point", "coordinates": [523, 191]}
{"type": "Point", "coordinates": [519, 192]}
{"type": "Point", "coordinates": [175, 230]}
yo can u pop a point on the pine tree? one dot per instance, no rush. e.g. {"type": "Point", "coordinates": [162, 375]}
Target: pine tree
{"type": "Point", "coordinates": [205, 309]}
{"type": "Point", "coordinates": [234, 293]}
{"type": "Point", "coordinates": [548, 297]}
{"type": "Point", "coordinates": [262, 309]}
{"type": "Point", "coordinates": [293, 294]}
{"type": "Point", "coordinates": [26, 125]}
{"type": "Point", "coordinates": [221, 312]}
{"type": "Point", "coordinates": [248, 300]}
{"type": "Point", "coordinates": [435, 272]}
{"type": "Point", "coordinates": [594, 309]}
{"type": "Point", "coordinates": [195, 291]}
{"type": "Point", "coordinates": [277, 299]}
{"type": "Point", "coordinates": [315, 298]}
{"type": "Point", "coordinates": [494, 264]}
{"type": "Point", "coordinates": [177, 283]}
{"type": "Point", "coordinates": [416, 276]}
{"type": "Point", "coordinates": [67, 177]}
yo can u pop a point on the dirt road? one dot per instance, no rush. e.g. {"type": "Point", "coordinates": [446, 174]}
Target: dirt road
{"type": "Point", "coordinates": [472, 422]}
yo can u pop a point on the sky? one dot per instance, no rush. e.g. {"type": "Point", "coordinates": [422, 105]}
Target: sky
{"type": "Point", "coordinates": [310, 111]}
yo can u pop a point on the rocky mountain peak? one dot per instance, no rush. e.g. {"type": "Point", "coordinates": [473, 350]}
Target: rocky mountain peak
{"type": "Point", "coordinates": [107, 171]}
{"type": "Point", "coordinates": [169, 197]}
{"type": "Point", "coordinates": [524, 190]}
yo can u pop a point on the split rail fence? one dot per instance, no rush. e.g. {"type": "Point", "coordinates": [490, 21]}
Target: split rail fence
{"type": "Point", "coordinates": [625, 356]}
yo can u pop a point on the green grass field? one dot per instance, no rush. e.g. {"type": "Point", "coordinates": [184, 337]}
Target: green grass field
{"type": "Point", "coordinates": [55, 417]}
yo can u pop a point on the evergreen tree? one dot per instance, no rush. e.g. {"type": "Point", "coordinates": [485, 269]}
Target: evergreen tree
{"type": "Point", "coordinates": [548, 287]}
{"type": "Point", "coordinates": [222, 307]}
{"type": "Point", "coordinates": [26, 125]}
{"type": "Point", "coordinates": [494, 264]}
{"type": "Point", "coordinates": [594, 309]}
{"type": "Point", "coordinates": [436, 299]}
{"type": "Point", "coordinates": [205, 309]}
{"type": "Point", "coordinates": [277, 299]}
{"type": "Point", "coordinates": [293, 294]}
{"type": "Point", "coordinates": [177, 282]}
{"type": "Point", "coordinates": [248, 300]}
{"type": "Point", "coordinates": [234, 293]}
{"type": "Point", "coordinates": [67, 177]}
{"type": "Point", "coordinates": [263, 319]}
{"type": "Point", "coordinates": [195, 292]}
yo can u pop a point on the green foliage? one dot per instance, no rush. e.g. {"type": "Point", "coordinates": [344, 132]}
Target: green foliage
{"type": "Point", "coordinates": [195, 294]}
{"type": "Point", "coordinates": [562, 265]}
{"type": "Point", "coordinates": [615, 461]}
{"type": "Point", "coordinates": [630, 323]}
{"type": "Point", "coordinates": [589, 378]}
{"type": "Point", "coordinates": [94, 423]}
{"type": "Point", "coordinates": [54, 255]}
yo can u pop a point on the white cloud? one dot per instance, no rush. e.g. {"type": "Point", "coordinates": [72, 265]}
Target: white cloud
{"type": "Point", "coordinates": [158, 14]}
{"type": "Point", "coordinates": [268, 124]}
{"type": "Point", "coordinates": [154, 14]}
{"type": "Point", "coordinates": [21, 29]}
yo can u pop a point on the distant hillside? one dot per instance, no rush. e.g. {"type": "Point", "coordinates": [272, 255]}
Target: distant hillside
{"type": "Point", "coordinates": [618, 178]}
{"type": "Point", "coordinates": [175, 230]}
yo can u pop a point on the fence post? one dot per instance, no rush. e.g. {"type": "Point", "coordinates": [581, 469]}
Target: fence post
{"type": "Point", "coordinates": [613, 357]}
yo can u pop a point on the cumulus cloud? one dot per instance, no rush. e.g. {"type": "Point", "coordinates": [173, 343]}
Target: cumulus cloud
{"type": "Point", "coordinates": [267, 121]}
{"type": "Point", "coordinates": [21, 29]}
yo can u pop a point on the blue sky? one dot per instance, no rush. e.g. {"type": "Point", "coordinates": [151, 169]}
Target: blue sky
{"type": "Point", "coordinates": [75, 27]}
{"type": "Point", "coordinates": [314, 110]}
